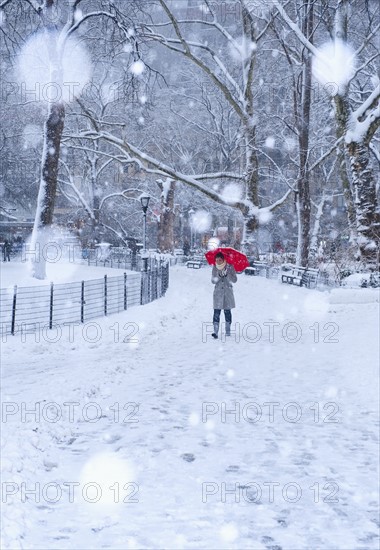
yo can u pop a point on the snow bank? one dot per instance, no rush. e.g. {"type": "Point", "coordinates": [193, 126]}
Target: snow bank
{"type": "Point", "coordinates": [354, 296]}
{"type": "Point", "coordinates": [356, 280]}
{"type": "Point", "coordinates": [17, 273]}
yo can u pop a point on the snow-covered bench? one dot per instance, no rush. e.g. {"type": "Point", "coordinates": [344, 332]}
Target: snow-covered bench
{"type": "Point", "coordinates": [310, 277]}
{"type": "Point", "coordinates": [374, 280]}
{"type": "Point", "coordinates": [255, 268]}
{"type": "Point", "coordinates": [300, 276]}
{"type": "Point", "coordinates": [195, 264]}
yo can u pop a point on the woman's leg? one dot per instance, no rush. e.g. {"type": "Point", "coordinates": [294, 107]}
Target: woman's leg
{"type": "Point", "coordinates": [215, 320]}
{"type": "Point", "coordinates": [216, 317]}
{"type": "Point", "coordinates": [228, 318]}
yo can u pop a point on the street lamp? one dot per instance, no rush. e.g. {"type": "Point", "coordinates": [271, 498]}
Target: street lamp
{"type": "Point", "coordinates": [191, 214]}
{"type": "Point", "coordinates": [144, 200]}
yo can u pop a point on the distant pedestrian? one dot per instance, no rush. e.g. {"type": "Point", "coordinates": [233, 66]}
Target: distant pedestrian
{"type": "Point", "coordinates": [7, 247]}
{"type": "Point", "coordinates": [223, 275]}
{"type": "Point", "coordinates": [186, 248]}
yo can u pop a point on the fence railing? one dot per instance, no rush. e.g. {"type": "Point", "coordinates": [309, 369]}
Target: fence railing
{"type": "Point", "coordinates": [124, 260]}
{"type": "Point", "coordinates": [28, 309]}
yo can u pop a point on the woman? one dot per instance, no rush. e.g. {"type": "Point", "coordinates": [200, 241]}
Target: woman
{"type": "Point", "coordinates": [223, 275]}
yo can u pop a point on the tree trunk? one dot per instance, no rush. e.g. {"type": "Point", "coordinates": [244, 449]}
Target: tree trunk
{"type": "Point", "coordinates": [166, 223]}
{"type": "Point", "coordinates": [303, 123]}
{"type": "Point", "coordinates": [230, 231]}
{"type": "Point", "coordinates": [96, 236]}
{"type": "Point", "coordinates": [251, 222]}
{"type": "Point", "coordinates": [348, 196]}
{"type": "Point", "coordinates": [342, 113]}
{"type": "Point", "coordinates": [367, 210]}
{"type": "Point", "coordinates": [303, 215]}
{"type": "Point", "coordinates": [315, 231]}
{"type": "Point", "coordinates": [52, 143]}
{"type": "Point", "coordinates": [48, 187]}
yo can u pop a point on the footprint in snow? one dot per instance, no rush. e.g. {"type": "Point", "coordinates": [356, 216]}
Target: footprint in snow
{"type": "Point", "coordinates": [49, 465]}
{"type": "Point", "coordinates": [233, 468]}
{"type": "Point", "coordinates": [189, 457]}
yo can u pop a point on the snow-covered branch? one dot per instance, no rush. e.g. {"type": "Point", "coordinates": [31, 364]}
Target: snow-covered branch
{"type": "Point", "coordinates": [295, 28]}
{"type": "Point", "coordinates": [73, 26]}
{"type": "Point", "coordinates": [163, 169]}
{"type": "Point", "coordinates": [368, 39]}
{"type": "Point", "coordinates": [188, 52]}
{"type": "Point", "coordinates": [280, 172]}
{"type": "Point", "coordinates": [368, 104]}
{"type": "Point", "coordinates": [76, 191]}
{"type": "Point", "coordinates": [121, 194]}
{"type": "Point", "coordinates": [360, 129]}
{"type": "Point", "coordinates": [363, 66]}
{"type": "Point", "coordinates": [5, 2]}
{"type": "Point", "coordinates": [218, 175]}
{"type": "Point", "coordinates": [327, 154]}
{"type": "Point", "coordinates": [278, 203]}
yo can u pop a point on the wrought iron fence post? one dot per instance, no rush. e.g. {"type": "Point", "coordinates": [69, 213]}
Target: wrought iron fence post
{"type": "Point", "coordinates": [142, 289]}
{"type": "Point", "coordinates": [105, 294]}
{"type": "Point", "coordinates": [14, 310]}
{"type": "Point", "coordinates": [125, 291]}
{"type": "Point", "coordinates": [165, 278]}
{"type": "Point", "coordinates": [51, 305]}
{"type": "Point", "coordinates": [82, 303]}
{"type": "Point", "coordinates": [155, 296]}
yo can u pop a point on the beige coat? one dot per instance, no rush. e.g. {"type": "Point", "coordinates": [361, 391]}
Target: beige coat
{"type": "Point", "coordinates": [223, 291]}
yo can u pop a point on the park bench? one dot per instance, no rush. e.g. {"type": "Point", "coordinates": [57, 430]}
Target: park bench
{"type": "Point", "coordinates": [373, 281]}
{"type": "Point", "coordinates": [256, 268]}
{"type": "Point", "coordinates": [195, 264]}
{"type": "Point", "coordinates": [300, 276]}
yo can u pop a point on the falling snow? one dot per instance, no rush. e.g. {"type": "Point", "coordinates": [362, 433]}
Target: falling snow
{"type": "Point", "coordinates": [334, 66]}
{"type": "Point", "coordinates": [137, 68]}
{"type": "Point", "coordinates": [51, 74]}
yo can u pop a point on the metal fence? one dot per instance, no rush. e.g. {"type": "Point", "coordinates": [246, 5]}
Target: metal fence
{"type": "Point", "coordinates": [122, 258]}
{"type": "Point", "coordinates": [29, 309]}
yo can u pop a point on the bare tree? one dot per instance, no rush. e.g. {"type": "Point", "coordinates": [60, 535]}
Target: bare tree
{"type": "Point", "coordinates": [55, 42]}
{"type": "Point", "coordinates": [358, 127]}
{"type": "Point", "coordinates": [237, 91]}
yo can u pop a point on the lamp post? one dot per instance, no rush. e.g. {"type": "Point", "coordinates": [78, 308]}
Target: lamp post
{"type": "Point", "coordinates": [191, 214]}
{"type": "Point", "coordinates": [144, 200]}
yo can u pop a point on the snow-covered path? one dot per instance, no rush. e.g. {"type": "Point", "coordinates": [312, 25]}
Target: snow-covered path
{"type": "Point", "coordinates": [293, 467]}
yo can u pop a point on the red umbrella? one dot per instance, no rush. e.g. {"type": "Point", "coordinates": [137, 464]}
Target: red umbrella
{"type": "Point", "coordinates": [232, 256]}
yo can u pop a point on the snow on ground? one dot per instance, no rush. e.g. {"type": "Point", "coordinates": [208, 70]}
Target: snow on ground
{"type": "Point", "coordinates": [294, 467]}
{"type": "Point", "coordinates": [17, 272]}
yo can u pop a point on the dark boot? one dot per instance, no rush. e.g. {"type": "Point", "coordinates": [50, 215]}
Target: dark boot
{"type": "Point", "coordinates": [228, 329]}
{"type": "Point", "coordinates": [216, 330]}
